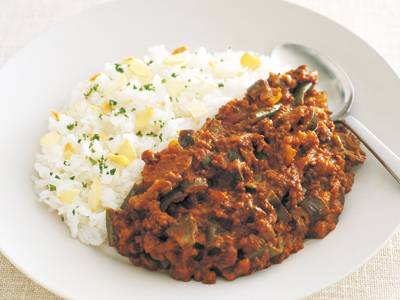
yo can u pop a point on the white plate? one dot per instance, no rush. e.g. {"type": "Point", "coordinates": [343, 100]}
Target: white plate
{"type": "Point", "coordinates": [40, 77]}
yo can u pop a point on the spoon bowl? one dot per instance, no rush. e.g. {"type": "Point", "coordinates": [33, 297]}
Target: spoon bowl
{"type": "Point", "coordinates": [337, 84]}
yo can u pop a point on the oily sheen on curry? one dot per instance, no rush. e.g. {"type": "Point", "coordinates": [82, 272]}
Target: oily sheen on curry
{"type": "Point", "coordinates": [245, 190]}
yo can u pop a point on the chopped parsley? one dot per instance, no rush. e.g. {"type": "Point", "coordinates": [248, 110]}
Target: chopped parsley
{"type": "Point", "coordinates": [153, 134]}
{"type": "Point", "coordinates": [57, 177]}
{"type": "Point", "coordinates": [174, 75]}
{"type": "Point", "coordinates": [220, 85]}
{"type": "Point", "coordinates": [110, 138]}
{"type": "Point", "coordinates": [148, 87]}
{"type": "Point", "coordinates": [72, 125]}
{"type": "Point", "coordinates": [62, 218]}
{"type": "Point", "coordinates": [91, 90]}
{"type": "Point", "coordinates": [112, 171]}
{"type": "Point", "coordinates": [72, 178]}
{"type": "Point", "coordinates": [95, 136]}
{"type": "Point", "coordinates": [183, 67]}
{"type": "Point", "coordinates": [92, 161]}
{"type": "Point", "coordinates": [66, 163]}
{"type": "Point", "coordinates": [112, 103]}
{"type": "Point", "coordinates": [119, 68]}
{"type": "Point", "coordinates": [150, 62]}
{"type": "Point", "coordinates": [133, 109]}
{"type": "Point", "coordinates": [160, 137]}
{"type": "Point", "coordinates": [84, 184]}
{"type": "Point", "coordinates": [163, 80]}
{"type": "Point", "coordinates": [134, 87]}
{"type": "Point", "coordinates": [51, 187]}
{"type": "Point", "coordinates": [91, 144]}
{"type": "Point", "coordinates": [160, 123]}
{"type": "Point", "coordinates": [139, 133]}
{"type": "Point", "coordinates": [102, 164]}
{"type": "Point", "coordinates": [121, 111]}
{"type": "Point", "coordinates": [101, 116]}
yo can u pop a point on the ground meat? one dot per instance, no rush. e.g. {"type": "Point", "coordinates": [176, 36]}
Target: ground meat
{"type": "Point", "coordinates": [245, 190]}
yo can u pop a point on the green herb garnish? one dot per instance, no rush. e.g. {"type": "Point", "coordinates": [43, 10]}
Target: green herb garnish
{"type": "Point", "coordinates": [148, 87]}
{"type": "Point", "coordinates": [119, 68]}
{"type": "Point", "coordinates": [91, 90]}
{"type": "Point", "coordinates": [72, 125]}
{"type": "Point", "coordinates": [92, 161]}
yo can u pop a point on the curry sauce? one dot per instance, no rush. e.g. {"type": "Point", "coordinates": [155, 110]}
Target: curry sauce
{"type": "Point", "coordinates": [245, 190]}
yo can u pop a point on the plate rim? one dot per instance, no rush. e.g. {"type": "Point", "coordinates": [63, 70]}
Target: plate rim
{"type": "Point", "coordinates": [56, 26]}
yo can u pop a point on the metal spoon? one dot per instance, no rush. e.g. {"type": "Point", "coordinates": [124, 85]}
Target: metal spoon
{"type": "Point", "coordinates": [340, 91]}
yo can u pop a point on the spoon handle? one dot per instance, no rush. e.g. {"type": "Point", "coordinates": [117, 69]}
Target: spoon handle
{"type": "Point", "coordinates": [386, 156]}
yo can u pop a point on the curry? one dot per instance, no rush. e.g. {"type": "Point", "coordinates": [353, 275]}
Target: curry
{"type": "Point", "coordinates": [245, 190]}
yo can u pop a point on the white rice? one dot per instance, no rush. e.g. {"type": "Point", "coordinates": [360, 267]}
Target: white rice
{"type": "Point", "coordinates": [151, 101]}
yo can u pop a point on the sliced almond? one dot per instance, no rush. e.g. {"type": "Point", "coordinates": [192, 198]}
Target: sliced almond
{"type": "Point", "coordinates": [143, 117]}
{"type": "Point", "coordinates": [106, 107]}
{"type": "Point", "coordinates": [69, 150]}
{"type": "Point", "coordinates": [127, 150]}
{"type": "Point", "coordinates": [250, 61]}
{"type": "Point", "coordinates": [212, 63]}
{"type": "Point", "coordinates": [173, 60]}
{"type": "Point", "coordinates": [94, 197]}
{"type": "Point", "coordinates": [50, 139]}
{"type": "Point", "coordinates": [180, 50]}
{"type": "Point", "coordinates": [94, 76]}
{"type": "Point", "coordinates": [139, 68]}
{"type": "Point", "coordinates": [56, 115]}
{"type": "Point", "coordinates": [175, 87]}
{"type": "Point", "coordinates": [118, 159]}
{"type": "Point", "coordinates": [68, 196]}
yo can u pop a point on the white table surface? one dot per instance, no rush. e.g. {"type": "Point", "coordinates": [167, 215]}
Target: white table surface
{"type": "Point", "coordinates": [376, 21]}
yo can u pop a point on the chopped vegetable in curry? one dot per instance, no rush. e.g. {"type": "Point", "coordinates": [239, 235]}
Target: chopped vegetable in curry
{"type": "Point", "coordinates": [245, 190]}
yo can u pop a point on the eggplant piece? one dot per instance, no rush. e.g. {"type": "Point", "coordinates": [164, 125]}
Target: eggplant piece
{"type": "Point", "coordinates": [313, 124]}
{"type": "Point", "coordinates": [258, 253]}
{"type": "Point", "coordinates": [213, 229]}
{"type": "Point", "coordinates": [283, 214]}
{"type": "Point", "coordinates": [175, 196]}
{"type": "Point", "coordinates": [206, 162]}
{"type": "Point", "coordinates": [300, 92]}
{"type": "Point", "coordinates": [274, 251]}
{"type": "Point", "coordinates": [186, 138]}
{"type": "Point", "coordinates": [251, 187]}
{"type": "Point", "coordinates": [137, 189]}
{"type": "Point", "coordinates": [315, 207]}
{"type": "Point", "coordinates": [262, 114]}
{"type": "Point", "coordinates": [197, 185]}
{"type": "Point", "coordinates": [184, 231]}
{"type": "Point", "coordinates": [273, 198]}
{"type": "Point", "coordinates": [234, 154]}
{"type": "Point", "coordinates": [111, 236]}
{"type": "Point", "coordinates": [257, 88]}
